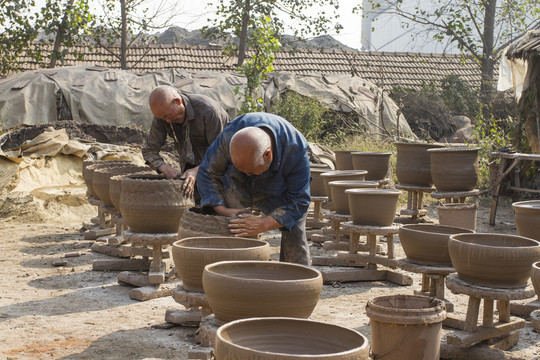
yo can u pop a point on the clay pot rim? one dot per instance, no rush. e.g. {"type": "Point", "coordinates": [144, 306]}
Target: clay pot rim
{"type": "Point", "coordinates": [369, 191]}
{"type": "Point", "coordinates": [457, 206]}
{"type": "Point", "coordinates": [256, 242]}
{"type": "Point", "coordinates": [112, 170]}
{"type": "Point", "coordinates": [344, 183]}
{"type": "Point", "coordinates": [419, 143]}
{"type": "Point", "coordinates": [529, 205]}
{"type": "Point", "coordinates": [239, 322]}
{"type": "Point", "coordinates": [371, 153]}
{"type": "Point", "coordinates": [436, 312]}
{"type": "Point", "coordinates": [459, 238]}
{"type": "Point", "coordinates": [320, 170]}
{"type": "Point", "coordinates": [150, 177]}
{"type": "Point", "coordinates": [343, 151]}
{"type": "Point", "coordinates": [439, 304]}
{"type": "Point", "coordinates": [344, 172]}
{"type": "Point", "coordinates": [454, 149]}
{"type": "Point", "coordinates": [417, 228]}
{"type": "Point", "coordinates": [316, 273]}
{"type": "Point", "coordinates": [536, 265]}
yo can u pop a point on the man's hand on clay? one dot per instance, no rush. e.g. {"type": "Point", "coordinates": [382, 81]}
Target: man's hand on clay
{"type": "Point", "coordinates": [168, 171]}
{"type": "Point", "coordinates": [189, 183]}
{"type": "Point", "coordinates": [246, 225]}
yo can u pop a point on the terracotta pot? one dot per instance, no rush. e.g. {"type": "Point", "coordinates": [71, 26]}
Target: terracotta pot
{"type": "Point", "coordinates": [527, 218]}
{"type": "Point", "coordinates": [89, 166]}
{"type": "Point", "coordinates": [101, 180]}
{"type": "Point", "coordinates": [375, 207]}
{"type": "Point", "coordinates": [459, 215]}
{"type": "Point", "coordinates": [427, 244]}
{"type": "Point", "coordinates": [343, 160]}
{"type": "Point", "coordinates": [191, 255]}
{"type": "Point", "coordinates": [494, 260]}
{"type": "Point", "coordinates": [413, 164]}
{"type": "Point", "coordinates": [340, 199]}
{"type": "Point", "coordinates": [454, 168]}
{"type": "Point", "coordinates": [115, 186]}
{"type": "Point", "coordinates": [244, 289]}
{"type": "Point", "coordinates": [152, 204]}
{"type": "Point", "coordinates": [375, 163]}
{"type": "Point", "coordinates": [281, 338]}
{"type": "Point", "coordinates": [336, 175]}
{"type": "Point", "coordinates": [406, 327]}
{"type": "Point", "coordinates": [316, 186]}
{"type": "Point", "coordinates": [535, 277]}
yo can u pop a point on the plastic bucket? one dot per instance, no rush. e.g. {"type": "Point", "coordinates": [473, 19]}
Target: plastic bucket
{"type": "Point", "coordinates": [406, 327]}
{"type": "Point", "coordinates": [459, 215]}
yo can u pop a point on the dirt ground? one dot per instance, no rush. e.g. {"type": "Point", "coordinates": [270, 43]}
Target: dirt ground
{"type": "Point", "coordinates": [72, 312]}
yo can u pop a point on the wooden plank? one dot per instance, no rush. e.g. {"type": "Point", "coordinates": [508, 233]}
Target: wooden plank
{"type": "Point", "coordinates": [471, 320]}
{"type": "Point", "coordinates": [111, 250]}
{"type": "Point", "coordinates": [95, 233]}
{"type": "Point", "coordinates": [464, 338]}
{"type": "Point", "coordinates": [121, 265]}
{"type": "Point", "coordinates": [364, 258]}
{"type": "Point", "coordinates": [331, 275]}
{"type": "Point", "coordinates": [398, 278]}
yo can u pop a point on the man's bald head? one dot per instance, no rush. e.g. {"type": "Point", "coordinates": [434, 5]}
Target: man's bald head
{"type": "Point", "coordinates": [251, 150]}
{"type": "Point", "coordinates": [167, 104]}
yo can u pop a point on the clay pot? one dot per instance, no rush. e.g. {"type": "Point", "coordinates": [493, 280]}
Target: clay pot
{"type": "Point", "coordinates": [336, 175]}
{"type": "Point", "coordinates": [406, 327]}
{"type": "Point", "coordinates": [413, 164]}
{"type": "Point", "coordinates": [280, 338]}
{"type": "Point", "coordinates": [191, 255]}
{"type": "Point", "coordinates": [493, 260]}
{"type": "Point", "coordinates": [115, 186]}
{"type": "Point", "coordinates": [535, 277]}
{"type": "Point", "coordinates": [375, 207]}
{"type": "Point", "coordinates": [527, 218]}
{"type": "Point", "coordinates": [375, 163]}
{"type": "Point", "coordinates": [343, 160]}
{"type": "Point", "coordinates": [152, 203]}
{"type": "Point", "coordinates": [427, 244]}
{"type": "Point", "coordinates": [316, 186]}
{"type": "Point", "coordinates": [459, 215]}
{"type": "Point", "coordinates": [340, 199]}
{"type": "Point", "coordinates": [89, 166]}
{"type": "Point", "coordinates": [454, 168]}
{"type": "Point", "coordinates": [244, 289]}
{"type": "Point", "coordinates": [101, 180]}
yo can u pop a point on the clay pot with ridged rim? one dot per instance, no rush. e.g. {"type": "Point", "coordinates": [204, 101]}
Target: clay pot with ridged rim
{"type": "Point", "coordinates": [152, 204]}
{"type": "Point", "coordinates": [340, 199]}
{"type": "Point", "coordinates": [316, 187]}
{"type": "Point", "coordinates": [89, 166]}
{"type": "Point", "coordinates": [115, 187]}
{"type": "Point", "coordinates": [427, 244]}
{"type": "Point", "coordinates": [101, 180]}
{"type": "Point", "coordinates": [535, 277]}
{"type": "Point", "coordinates": [191, 255]}
{"type": "Point", "coordinates": [527, 218]}
{"type": "Point", "coordinates": [493, 260]}
{"type": "Point", "coordinates": [374, 207]}
{"type": "Point", "coordinates": [413, 163]}
{"type": "Point", "coordinates": [454, 168]}
{"type": "Point", "coordinates": [335, 175]}
{"type": "Point", "coordinates": [343, 159]}
{"type": "Point", "coordinates": [244, 289]}
{"type": "Point", "coordinates": [375, 163]}
{"type": "Point", "coordinates": [281, 338]}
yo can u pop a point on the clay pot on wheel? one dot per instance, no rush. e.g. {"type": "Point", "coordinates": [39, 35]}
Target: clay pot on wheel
{"type": "Point", "coordinates": [101, 180]}
{"type": "Point", "coordinates": [454, 168]}
{"type": "Point", "coordinates": [280, 338]}
{"type": "Point", "coordinates": [244, 289]}
{"type": "Point", "coordinates": [374, 207]}
{"type": "Point", "coordinates": [375, 163]}
{"type": "Point", "coordinates": [527, 218]}
{"type": "Point", "coordinates": [336, 175]}
{"type": "Point", "coordinates": [427, 244]}
{"type": "Point", "coordinates": [493, 260]}
{"type": "Point", "coordinates": [152, 203]}
{"type": "Point", "coordinates": [340, 199]}
{"type": "Point", "coordinates": [191, 255]}
{"type": "Point", "coordinates": [343, 159]}
{"type": "Point", "coordinates": [413, 163]}
{"type": "Point", "coordinates": [89, 166]}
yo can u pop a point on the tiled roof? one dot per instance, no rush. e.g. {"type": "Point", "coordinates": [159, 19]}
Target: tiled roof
{"type": "Point", "coordinates": [410, 70]}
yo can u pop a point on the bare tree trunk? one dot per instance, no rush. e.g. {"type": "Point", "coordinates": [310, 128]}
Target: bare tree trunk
{"type": "Point", "coordinates": [488, 62]}
{"type": "Point", "coordinates": [123, 36]}
{"type": "Point", "coordinates": [243, 34]}
{"type": "Point", "coordinates": [60, 36]}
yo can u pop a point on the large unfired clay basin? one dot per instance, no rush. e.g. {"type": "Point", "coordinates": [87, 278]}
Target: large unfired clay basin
{"type": "Point", "coordinates": [494, 260]}
{"type": "Point", "coordinates": [374, 207]}
{"type": "Point", "coordinates": [340, 199]}
{"type": "Point", "coordinates": [427, 244]}
{"type": "Point", "coordinates": [343, 159]}
{"type": "Point", "coordinates": [316, 187]}
{"type": "Point", "coordinates": [281, 338]}
{"type": "Point", "coordinates": [535, 277]}
{"type": "Point", "coordinates": [335, 175]}
{"type": "Point", "coordinates": [376, 163]}
{"type": "Point", "coordinates": [244, 289]}
{"type": "Point", "coordinates": [527, 218]}
{"type": "Point", "coordinates": [191, 255]}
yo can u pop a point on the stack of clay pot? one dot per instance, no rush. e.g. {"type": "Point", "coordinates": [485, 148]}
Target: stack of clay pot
{"type": "Point", "coordinates": [274, 338]}
{"type": "Point", "coordinates": [340, 200]}
{"type": "Point", "coordinates": [90, 166]}
{"type": "Point", "coordinates": [413, 164]}
{"type": "Point", "coordinates": [336, 175]}
{"type": "Point", "coordinates": [376, 164]}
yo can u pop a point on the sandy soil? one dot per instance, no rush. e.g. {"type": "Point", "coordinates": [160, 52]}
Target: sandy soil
{"type": "Point", "coordinates": [72, 312]}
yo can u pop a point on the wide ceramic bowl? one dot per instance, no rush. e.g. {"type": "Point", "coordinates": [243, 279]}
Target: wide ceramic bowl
{"type": "Point", "coordinates": [427, 244]}
{"type": "Point", "coordinates": [281, 338]}
{"type": "Point", "coordinates": [340, 199]}
{"type": "Point", "coordinates": [374, 207]}
{"type": "Point", "coordinates": [493, 260]}
{"type": "Point", "coordinates": [336, 175]}
{"type": "Point", "coordinates": [191, 255]}
{"type": "Point", "coordinates": [244, 289]}
{"type": "Point", "coordinates": [535, 277]}
{"type": "Point", "coordinates": [527, 218]}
